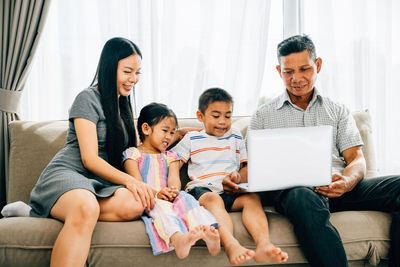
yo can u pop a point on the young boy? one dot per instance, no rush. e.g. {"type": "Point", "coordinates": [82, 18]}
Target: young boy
{"type": "Point", "coordinates": [217, 156]}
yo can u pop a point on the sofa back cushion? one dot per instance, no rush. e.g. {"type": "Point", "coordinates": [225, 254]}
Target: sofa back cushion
{"type": "Point", "coordinates": [364, 125]}
{"type": "Point", "coordinates": [34, 144]}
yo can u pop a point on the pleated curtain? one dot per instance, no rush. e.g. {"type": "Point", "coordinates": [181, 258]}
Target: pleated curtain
{"type": "Point", "coordinates": [21, 23]}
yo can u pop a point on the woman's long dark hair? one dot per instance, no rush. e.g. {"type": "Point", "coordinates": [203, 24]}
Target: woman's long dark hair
{"type": "Point", "coordinates": [116, 110]}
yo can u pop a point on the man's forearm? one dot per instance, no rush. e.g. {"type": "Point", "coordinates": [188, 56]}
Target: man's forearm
{"type": "Point", "coordinates": [355, 172]}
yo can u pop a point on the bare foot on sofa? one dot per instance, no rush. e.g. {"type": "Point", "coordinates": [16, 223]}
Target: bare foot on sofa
{"type": "Point", "coordinates": [182, 242]}
{"type": "Point", "coordinates": [238, 254]}
{"type": "Point", "coordinates": [211, 237]}
{"type": "Point", "coordinates": [269, 253]}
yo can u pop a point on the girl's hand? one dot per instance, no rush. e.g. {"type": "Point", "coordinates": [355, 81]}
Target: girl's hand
{"type": "Point", "coordinates": [142, 192]}
{"type": "Point", "coordinates": [167, 193]}
{"type": "Point", "coordinates": [174, 190]}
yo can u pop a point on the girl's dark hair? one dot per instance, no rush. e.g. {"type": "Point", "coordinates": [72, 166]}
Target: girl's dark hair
{"type": "Point", "coordinates": [152, 114]}
{"type": "Point", "coordinates": [117, 111]}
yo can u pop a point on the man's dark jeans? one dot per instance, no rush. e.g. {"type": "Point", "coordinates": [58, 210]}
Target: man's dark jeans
{"type": "Point", "coordinates": [309, 213]}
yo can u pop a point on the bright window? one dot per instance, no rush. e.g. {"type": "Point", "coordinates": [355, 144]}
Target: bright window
{"type": "Point", "coordinates": [187, 47]}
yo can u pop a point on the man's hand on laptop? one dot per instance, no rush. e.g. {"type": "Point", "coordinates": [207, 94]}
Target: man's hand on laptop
{"type": "Point", "coordinates": [230, 183]}
{"type": "Point", "coordinates": [338, 187]}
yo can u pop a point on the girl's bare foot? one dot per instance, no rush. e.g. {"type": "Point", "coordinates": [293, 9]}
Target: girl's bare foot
{"type": "Point", "coordinates": [182, 242]}
{"type": "Point", "coordinates": [211, 237]}
{"type": "Point", "coordinates": [238, 254]}
{"type": "Point", "coordinates": [269, 253]}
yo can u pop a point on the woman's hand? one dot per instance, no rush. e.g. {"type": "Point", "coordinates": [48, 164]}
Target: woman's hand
{"type": "Point", "coordinates": [142, 192]}
{"type": "Point", "coordinates": [180, 133]}
{"type": "Point", "coordinates": [168, 193]}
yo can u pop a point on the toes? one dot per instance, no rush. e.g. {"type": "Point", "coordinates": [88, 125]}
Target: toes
{"type": "Point", "coordinates": [276, 250]}
{"type": "Point", "coordinates": [250, 253]}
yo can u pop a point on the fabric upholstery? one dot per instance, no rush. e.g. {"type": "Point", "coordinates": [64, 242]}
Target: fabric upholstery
{"type": "Point", "coordinates": [126, 243]}
{"type": "Point", "coordinates": [24, 240]}
{"type": "Point", "coordinates": [364, 125]}
{"type": "Point", "coordinates": [32, 146]}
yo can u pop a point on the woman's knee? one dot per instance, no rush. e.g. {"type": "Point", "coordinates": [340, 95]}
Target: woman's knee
{"type": "Point", "coordinates": [80, 209]}
{"type": "Point", "coordinates": [129, 208]}
{"type": "Point", "coordinates": [86, 214]}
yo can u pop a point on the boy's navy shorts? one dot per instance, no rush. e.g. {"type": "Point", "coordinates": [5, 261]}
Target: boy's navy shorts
{"type": "Point", "coordinates": [228, 199]}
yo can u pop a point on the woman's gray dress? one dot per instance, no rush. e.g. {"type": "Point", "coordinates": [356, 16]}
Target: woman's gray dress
{"type": "Point", "coordinates": [66, 171]}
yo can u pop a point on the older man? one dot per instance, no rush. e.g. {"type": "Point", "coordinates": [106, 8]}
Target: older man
{"type": "Point", "coordinates": [309, 210]}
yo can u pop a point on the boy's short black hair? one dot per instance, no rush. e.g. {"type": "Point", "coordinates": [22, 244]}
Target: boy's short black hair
{"type": "Point", "coordinates": [213, 95]}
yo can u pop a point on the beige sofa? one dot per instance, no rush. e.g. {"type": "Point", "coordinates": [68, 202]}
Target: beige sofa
{"type": "Point", "coordinates": [28, 241]}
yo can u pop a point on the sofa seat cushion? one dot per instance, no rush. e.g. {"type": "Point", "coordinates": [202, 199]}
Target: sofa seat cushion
{"type": "Point", "coordinates": [26, 240]}
{"type": "Point", "coordinates": [364, 234]}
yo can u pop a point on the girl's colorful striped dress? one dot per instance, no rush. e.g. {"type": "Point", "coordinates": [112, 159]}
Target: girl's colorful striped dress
{"type": "Point", "coordinates": [166, 218]}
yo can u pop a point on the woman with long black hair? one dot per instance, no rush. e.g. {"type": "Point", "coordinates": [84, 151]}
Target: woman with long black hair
{"type": "Point", "coordinates": [85, 182]}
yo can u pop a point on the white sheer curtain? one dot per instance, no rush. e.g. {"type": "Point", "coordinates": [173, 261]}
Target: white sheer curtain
{"type": "Point", "coordinates": [359, 42]}
{"type": "Point", "coordinates": [187, 46]}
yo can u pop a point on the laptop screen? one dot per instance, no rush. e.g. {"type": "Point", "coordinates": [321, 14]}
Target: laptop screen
{"type": "Point", "coordinates": [288, 157]}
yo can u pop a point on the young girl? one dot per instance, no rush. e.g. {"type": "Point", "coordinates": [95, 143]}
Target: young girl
{"type": "Point", "coordinates": [177, 220]}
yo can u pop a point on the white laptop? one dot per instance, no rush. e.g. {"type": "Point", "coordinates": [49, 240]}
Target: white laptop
{"type": "Point", "coordinates": [288, 157]}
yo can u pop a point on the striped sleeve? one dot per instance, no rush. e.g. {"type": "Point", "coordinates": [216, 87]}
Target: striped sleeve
{"type": "Point", "coordinates": [130, 153]}
{"type": "Point", "coordinates": [240, 147]}
{"type": "Point", "coordinates": [171, 156]}
{"type": "Point", "coordinates": [183, 148]}
{"type": "Point", "coordinates": [242, 152]}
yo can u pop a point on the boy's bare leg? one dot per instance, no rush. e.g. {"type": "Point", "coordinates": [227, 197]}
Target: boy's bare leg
{"type": "Point", "coordinates": [256, 223]}
{"type": "Point", "coordinates": [236, 253]}
{"type": "Point", "coordinates": [183, 242]}
{"type": "Point", "coordinates": [212, 239]}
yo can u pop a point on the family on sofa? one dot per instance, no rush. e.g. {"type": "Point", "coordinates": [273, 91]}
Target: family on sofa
{"type": "Point", "coordinates": [91, 178]}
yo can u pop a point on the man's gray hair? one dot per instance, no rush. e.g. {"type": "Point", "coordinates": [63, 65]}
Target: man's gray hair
{"type": "Point", "coordinates": [296, 44]}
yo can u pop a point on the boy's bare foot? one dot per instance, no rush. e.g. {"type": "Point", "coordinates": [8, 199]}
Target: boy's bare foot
{"type": "Point", "coordinates": [238, 254]}
{"type": "Point", "coordinates": [211, 237]}
{"type": "Point", "coordinates": [183, 242]}
{"type": "Point", "coordinates": [269, 253]}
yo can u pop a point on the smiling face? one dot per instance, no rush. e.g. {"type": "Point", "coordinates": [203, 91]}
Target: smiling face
{"type": "Point", "coordinates": [128, 74]}
{"type": "Point", "coordinates": [217, 118]}
{"type": "Point", "coordinates": [299, 73]}
{"type": "Point", "coordinates": [159, 137]}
